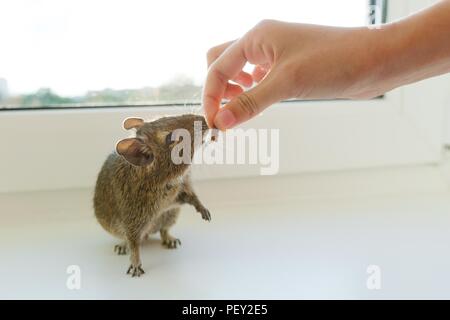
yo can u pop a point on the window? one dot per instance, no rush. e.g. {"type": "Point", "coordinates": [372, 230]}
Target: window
{"type": "Point", "coordinates": [119, 53]}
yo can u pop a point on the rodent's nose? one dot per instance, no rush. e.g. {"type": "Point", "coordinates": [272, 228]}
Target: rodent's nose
{"type": "Point", "coordinates": [206, 128]}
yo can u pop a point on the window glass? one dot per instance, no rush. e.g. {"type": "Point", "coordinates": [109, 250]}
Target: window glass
{"type": "Point", "coordinates": [131, 52]}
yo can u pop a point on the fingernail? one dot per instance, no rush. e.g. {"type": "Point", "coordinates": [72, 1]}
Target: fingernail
{"type": "Point", "coordinates": [224, 119]}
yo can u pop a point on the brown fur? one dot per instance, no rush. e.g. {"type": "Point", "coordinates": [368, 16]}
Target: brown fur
{"type": "Point", "coordinates": [140, 192]}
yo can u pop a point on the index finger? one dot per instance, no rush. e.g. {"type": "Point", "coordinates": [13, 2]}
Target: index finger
{"type": "Point", "coordinates": [226, 67]}
{"type": "Point", "coordinates": [216, 51]}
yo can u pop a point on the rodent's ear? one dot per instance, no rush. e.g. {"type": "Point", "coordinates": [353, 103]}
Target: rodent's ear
{"type": "Point", "coordinates": [131, 123]}
{"type": "Point", "coordinates": [134, 151]}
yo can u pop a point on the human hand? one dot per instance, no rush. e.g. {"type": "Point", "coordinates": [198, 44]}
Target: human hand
{"type": "Point", "coordinates": [291, 61]}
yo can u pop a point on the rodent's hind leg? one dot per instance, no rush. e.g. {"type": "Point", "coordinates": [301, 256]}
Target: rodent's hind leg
{"type": "Point", "coordinates": [135, 269]}
{"type": "Point", "coordinates": [121, 249]}
{"type": "Point", "coordinates": [168, 240]}
{"type": "Point", "coordinates": [167, 220]}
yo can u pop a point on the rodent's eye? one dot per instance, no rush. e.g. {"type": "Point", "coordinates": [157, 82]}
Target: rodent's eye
{"type": "Point", "coordinates": [169, 138]}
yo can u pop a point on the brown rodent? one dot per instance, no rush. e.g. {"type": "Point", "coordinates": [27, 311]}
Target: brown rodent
{"type": "Point", "coordinates": [140, 189]}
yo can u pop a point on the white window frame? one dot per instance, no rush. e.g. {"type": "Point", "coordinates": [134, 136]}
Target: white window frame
{"type": "Point", "coordinates": [54, 149]}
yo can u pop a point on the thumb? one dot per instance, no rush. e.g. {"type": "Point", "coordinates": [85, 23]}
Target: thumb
{"type": "Point", "coordinates": [250, 103]}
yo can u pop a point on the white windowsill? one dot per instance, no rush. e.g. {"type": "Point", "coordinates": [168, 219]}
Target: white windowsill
{"type": "Point", "coordinates": [304, 236]}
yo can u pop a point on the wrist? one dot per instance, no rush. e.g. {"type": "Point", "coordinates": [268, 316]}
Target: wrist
{"type": "Point", "coordinates": [390, 41]}
{"type": "Point", "coordinates": [375, 51]}
{"type": "Point", "coordinates": [408, 50]}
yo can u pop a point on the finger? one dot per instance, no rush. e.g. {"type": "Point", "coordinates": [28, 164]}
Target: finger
{"type": "Point", "coordinates": [216, 51]}
{"type": "Point", "coordinates": [225, 68]}
{"type": "Point", "coordinates": [250, 103]}
{"type": "Point", "coordinates": [259, 73]}
{"type": "Point", "coordinates": [232, 91]}
{"type": "Point", "coordinates": [244, 79]}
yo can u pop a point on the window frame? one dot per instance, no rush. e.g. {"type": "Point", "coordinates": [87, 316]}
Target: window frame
{"type": "Point", "coordinates": [379, 14]}
{"type": "Point", "coordinates": [64, 148]}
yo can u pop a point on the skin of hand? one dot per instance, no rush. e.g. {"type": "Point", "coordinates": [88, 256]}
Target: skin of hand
{"type": "Point", "coordinates": [303, 61]}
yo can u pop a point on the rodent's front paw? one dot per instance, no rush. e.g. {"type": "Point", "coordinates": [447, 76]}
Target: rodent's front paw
{"type": "Point", "coordinates": [206, 215]}
{"type": "Point", "coordinates": [120, 249]}
{"type": "Point", "coordinates": [135, 271]}
{"type": "Point", "coordinates": [171, 242]}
